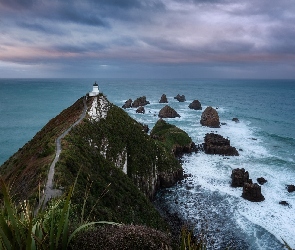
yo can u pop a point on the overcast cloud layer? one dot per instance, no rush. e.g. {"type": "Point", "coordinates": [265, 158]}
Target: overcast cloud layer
{"type": "Point", "coordinates": [147, 38]}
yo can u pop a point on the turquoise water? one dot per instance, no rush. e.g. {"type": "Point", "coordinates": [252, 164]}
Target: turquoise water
{"type": "Point", "coordinates": [265, 109]}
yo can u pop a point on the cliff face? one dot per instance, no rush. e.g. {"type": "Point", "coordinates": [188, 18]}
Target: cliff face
{"type": "Point", "coordinates": [110, 134]}
{"type": "Point", "coordinates": [119, 166]}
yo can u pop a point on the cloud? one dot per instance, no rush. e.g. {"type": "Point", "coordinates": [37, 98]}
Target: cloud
{"type": "Point", "coordinates": [150, 33]}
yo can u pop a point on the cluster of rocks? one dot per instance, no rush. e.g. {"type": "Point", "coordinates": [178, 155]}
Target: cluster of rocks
{"type": "Point", "coordinates": [251, 191]}
{"type": "Point", "coordinates": [217, 144]}
{"type": "Point", "coordinates": [140, 101]}
{"type": "Point", "coordinates": [180, 98]}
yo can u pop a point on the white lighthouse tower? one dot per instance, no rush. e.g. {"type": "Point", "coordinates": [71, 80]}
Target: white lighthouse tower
{"type": "Point", "coordinates": [95, 90]}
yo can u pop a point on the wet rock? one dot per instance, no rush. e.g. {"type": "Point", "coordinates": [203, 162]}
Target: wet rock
{"type": "Point", "coordinates": [223, 123]}
{"type": "Point", "coordinates": [284, 203]}
{"type": "Point", "coordinates": [216, 144]}
{"type": "Point", "coordinates": [239, 176]}
{"type": "Point", "coordinates": [252, 192]}
{"type": "Point", "coordinates": [210, 118]}
{"type": "Point", "coordinates": [235, 119]}
{"type": "Point", "coordinates": [196, 105]}
{"type": "Point", "coordinates": [290, 188]}
{"type": "Point", "coordinates": [180, 98]}
{"type": "Point", "coordinates": [168, 112]}
{"type": "Point", "coordinates": [261, 180]}
{"type": "Point", "coordinates": [128, 104]}
{"type": "Point", "coordinates": [140, 101]}
{"type": "Point", "coordinates": [140, 110]}
{"type": "Point", "coordinates": [163, 99]}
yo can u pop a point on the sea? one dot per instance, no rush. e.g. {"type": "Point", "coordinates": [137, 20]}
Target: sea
{"type": "Point", "coordinates": [264, 136]}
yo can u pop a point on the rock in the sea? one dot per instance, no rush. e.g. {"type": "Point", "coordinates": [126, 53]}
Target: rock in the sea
{"type": "Point", "coordinates": [239, 176]}
{"type": "Point", "coordinates": [210, 118]}
{"type": "Point", "coordinates": [196, 105]}
{"type": "Point", "coordinates": [261, 180]}
{"type": "Point", "coordinates": [180, 98]}
{"type": "Point", "coordinates": [128, 104]}
{"type": "Point", "coordinates": [163, 99]}
{"type": "Point", "coordinates": [290, 188]}
{"type": "Point", "coordinates": [284, 203]}
{"type": "Point", "coordinates": [140, 101]}
{"type": "Point", "coordinates": [235, 119]}
{"type": "Point", "coordinates": [216, 144]}
{"type": "Point", "coordinates": [252, 192]}
{"type": "Point", "coordinates": [140, 110]}
{"type": "Point", "coordinates": [168, 112]}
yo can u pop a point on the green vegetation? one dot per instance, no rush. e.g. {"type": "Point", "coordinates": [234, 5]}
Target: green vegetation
{"type": "Point", "coordinates": [170, 135]}
{"type": "Point", "coordinates": [94, 147]}
{"type": "Point", "coordinates": [21, 228]}
{"type": "Point", "coordinates": [28, 167]}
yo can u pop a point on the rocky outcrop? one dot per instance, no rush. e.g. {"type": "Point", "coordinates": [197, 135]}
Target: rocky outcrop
{"type": "Point", "coordinates": [140, 101]}
{"type": "Point", "coordinates": [128, 104]}
{"type": "Point", "coordinates": [239, 176]}
{"type": "Point", "coordinates": [235, 119]}
{"type": "Point", "coordinates": [168, 180]}
{"type": "Point", "coordinates": [216, 144]}
{"type": "Point", "coordinates": [168, 112]}
{"type": "Point", "coordinates": [290, 188]}
{"type": "Point", "coordinates": [180, 98]}
{"type": "Point", "coordinates": [261, 180]}
{"type": "Point", "coordinates": [196, 105]}
{"type": "Point", "coordinates": [210, 118]}
{"type": "Point", "coordinates": [252, 192]}
{"type": "Point", "coordinates": [163, 99]}
{"type": "Point", "coordinates": [140, 110]}
{"type": "Point", "coordinates": [175, 139]}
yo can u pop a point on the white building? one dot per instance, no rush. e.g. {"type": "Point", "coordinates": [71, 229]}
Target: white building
{"type": "Point", "coordinates": [95, 90]}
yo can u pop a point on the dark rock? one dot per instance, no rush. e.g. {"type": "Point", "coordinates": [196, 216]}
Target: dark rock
{"type": "Point", "coordinates": [252, 192]}
{"type": "Point", "coordinates": [223, 123]}
{"type": "Point", "coordinates": [145, 128]}
{"type": "Point", "coordinates": [239, 176]}
{"type": "Point", "coordinates": [284, 203]}
{"type": "Point", "coordinates": [167, 180]}
{"type": "Point", "coordinates": [140, 101]}
{"type": "Point", "coordinates": [210, 118]}
{"type": "Point", "coordinates": [240, 149]}
{"type": "Point", "coordinates": [168, 112]}
{"type": "Point", "coordinates": [261, 180]}
{"type": "Point", "coordinates": [140, 110]}
{"type": "Point", "coordinates": [196, 105]}
{"type": "Point", "coordinates": [216, 144]}
{"type": "Point", "coordinates": [163, 99]}
{"type": "Point", "coordinates": [128, 104]}
{"type": "Point", "coordinates": [290, 188]}
{"type": "Point", "coordinates": [235, 119]}
{"type": "Point", "coordinates": [180, 98]}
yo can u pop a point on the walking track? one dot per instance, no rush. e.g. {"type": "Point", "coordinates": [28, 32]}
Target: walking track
{"type": "Point", "coordinates": [49, 191]}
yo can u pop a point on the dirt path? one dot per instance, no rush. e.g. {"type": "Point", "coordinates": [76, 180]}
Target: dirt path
{"type": "Point", "coordinates": [49, 192]}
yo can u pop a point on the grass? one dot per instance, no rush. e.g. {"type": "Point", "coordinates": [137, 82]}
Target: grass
{"type": "Point", "coordinates": [22, 228]}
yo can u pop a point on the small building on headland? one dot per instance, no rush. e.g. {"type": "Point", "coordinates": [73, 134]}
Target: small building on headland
{"type": "Point", "coordinates": [95, 90]}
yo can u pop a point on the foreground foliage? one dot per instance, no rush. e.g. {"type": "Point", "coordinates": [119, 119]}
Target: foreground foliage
{"type": "Point", "coordinates": [22, 228]}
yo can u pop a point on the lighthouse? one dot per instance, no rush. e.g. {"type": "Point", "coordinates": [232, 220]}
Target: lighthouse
{"type": "Point", "coordinates": [95, 90]}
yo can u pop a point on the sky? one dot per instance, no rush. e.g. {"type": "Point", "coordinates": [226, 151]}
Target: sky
{"type": "Point", "coordinates": [147, 38]}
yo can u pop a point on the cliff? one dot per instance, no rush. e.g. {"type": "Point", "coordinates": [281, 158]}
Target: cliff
{"type": "Point", "coordinates": [118, 165]}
